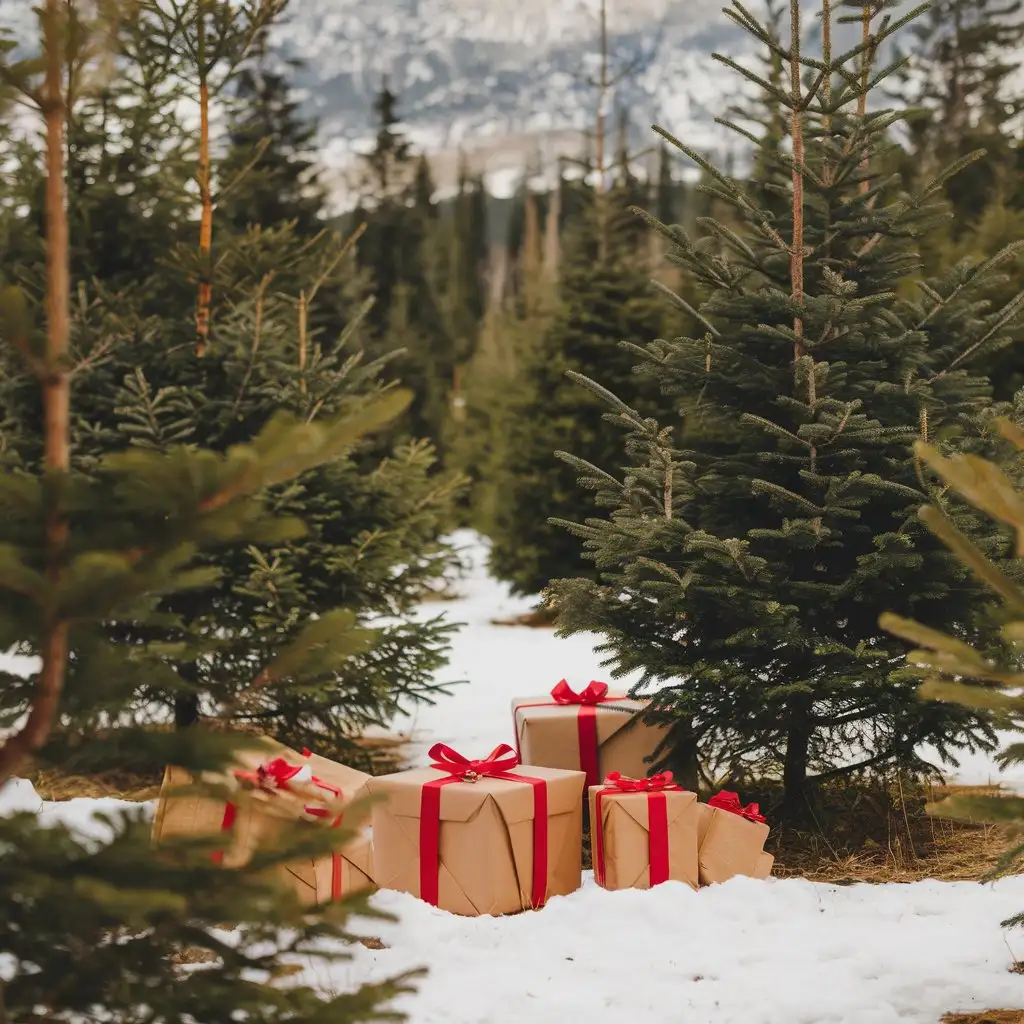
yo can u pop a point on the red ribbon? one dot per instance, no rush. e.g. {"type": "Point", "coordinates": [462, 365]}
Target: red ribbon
{"type": "Point", "coordinates": [587, 699]}
{"type": "Point", "coordinates": [726, 801]}
{"type": "Point", "coordinates": [335, 876]}
{"type": "Point", "coordinates": [277, 774]}
{"type": "Point", "coordinates": [460, 769]}
{"type": "Point", "coordinates": [657, 820]}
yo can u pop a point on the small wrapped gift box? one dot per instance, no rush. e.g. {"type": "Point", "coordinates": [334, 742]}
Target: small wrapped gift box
{"type": "Point", "coordinates": [279, 790]}
{"type": "Point", "coordinates": [731, 840]}
{"type": "Point", "coordinates": [592, 731]}
{"type": "Point", "coordinates": [479, 837]}
{"type": "Point", "coordinates": [644, 832]}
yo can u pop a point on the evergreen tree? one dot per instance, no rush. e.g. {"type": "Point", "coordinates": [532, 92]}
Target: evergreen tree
{"type": "Point", "coordinates": [97, 928]}
{"type": "Point", "coordinates": [375, 512]}
{"type": "Point", "coordinates": [960, 74]}
{"type": "Point", "coordinates": [601, 302]}
{"type": "Point", "coordinates": [400, 252]}
{"type": "Point", "coordinates": [743, 562]}
{"type": "Point", "coordinates": [271, 155]}
{"type": "Point", "coordinates": [963, 56]}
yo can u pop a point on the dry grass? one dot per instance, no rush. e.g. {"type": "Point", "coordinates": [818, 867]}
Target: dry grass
{"type": "Point", "coordinates": [380, 755]}
{"type": "Point", "coordinates": [194, 955]}
{"type": "Point", "coordinates": [915, 846]}
{"type": "Point", "coordinates": [985, 1017]}
{"type": "Point", "coordinates": [539, 618]}
{"type": "Point", "coordinates": [53, 784]}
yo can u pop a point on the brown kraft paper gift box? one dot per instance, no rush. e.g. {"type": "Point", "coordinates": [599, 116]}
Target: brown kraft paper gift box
{"type": "Point", "coordinates": [629, 848]}
{"type": "Point", "coordinates": [265, 818]}
{"type": "Point", "coordinates": [463, 835]}
{"type": "Point", "coordinates": [731, 842]}
{"type": "Point", "coordinates": [593, 731]}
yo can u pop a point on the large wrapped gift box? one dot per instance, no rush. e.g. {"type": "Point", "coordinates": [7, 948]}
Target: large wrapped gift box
{"type": "Point", "coordinates": [479, 837]}
{"type": "Point", "coordinates": [643, 832]}
{"type": "Point", "coordinates": [279, 790]}
{"type": "Point", "coordinates": [731, 840]}
{"type": "Point", "coordinates": [593, 731]}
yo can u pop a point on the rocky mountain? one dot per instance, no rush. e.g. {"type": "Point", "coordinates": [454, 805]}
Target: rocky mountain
{"type": "Point", "coordinates": [506, 80]}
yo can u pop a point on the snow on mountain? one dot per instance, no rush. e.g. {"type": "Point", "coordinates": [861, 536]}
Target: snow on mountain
{"type": "Point", "coordinates": [505, 80]}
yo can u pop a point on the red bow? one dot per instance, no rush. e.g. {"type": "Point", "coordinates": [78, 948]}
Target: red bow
{"type": "Point", "coordinates": [501, 759]}
{"type": "Point", "coordinates": [278, 774]}
{"type": "Point", "coordinates": [592, 693]}
{"type": "Point", "coordinates": [656, 783]}
{"type": "Point", "coordinates": [726, 801]}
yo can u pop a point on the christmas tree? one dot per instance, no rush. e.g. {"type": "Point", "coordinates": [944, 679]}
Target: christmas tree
{"type": "Point", "coordinates": [97, 927]}
{"type": "Point", "coordinates": [399, 252]}
{"type": "Point", "coordinates": [374, 513]}
{"type": "Point", "coordinates": [745, 555]}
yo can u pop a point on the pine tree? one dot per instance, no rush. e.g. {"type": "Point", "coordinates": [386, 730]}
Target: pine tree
{"type": "Point", "coordinates": [271, 154]}
{"type": "Point", "coordinates": [602, 302]}
{"type": "Point", "coordinates": [400, 252]}
{"type": "Point", "coordinates": [375, 513]}
{"type": "Point", "coordinates": [744, 559]}
{"type": "Point", "coordinates": [959, 77]}
{"type": "Point", "coordinates": [96, 928]}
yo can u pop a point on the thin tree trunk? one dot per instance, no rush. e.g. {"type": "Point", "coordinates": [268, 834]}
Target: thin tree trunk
{"type": "Point", "coordinates": [799, 729]}
{"type": "Point", "coordinates": [56, 390]}
{"type": "Point", "coordinates": [599, 138]}
{"type": "Point", "coordinates": [186, 711]}
{"type": "Point", "coordinates": [186, 705]}
{"type": "Point", "coordinates": [796, 254]}
{"type": "Point", "coordinates": [685, 759]}
{"type": "Point", "coordinates": [865, 72]}
{"type": "Point", "coordinates": [205, 296]}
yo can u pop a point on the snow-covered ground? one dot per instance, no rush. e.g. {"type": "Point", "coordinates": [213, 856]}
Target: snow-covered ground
{"type": "Point", "coordinates": [773, 952]}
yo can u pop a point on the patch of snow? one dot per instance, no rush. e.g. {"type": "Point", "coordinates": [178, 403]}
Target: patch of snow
{"type": "Point", "coordinates": [500, 662]}
{"type": "Point", "coordinates": [83, 816]}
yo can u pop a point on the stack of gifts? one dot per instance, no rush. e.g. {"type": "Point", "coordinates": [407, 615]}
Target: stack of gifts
{"type": "Point", "coordinates": [497, 835]}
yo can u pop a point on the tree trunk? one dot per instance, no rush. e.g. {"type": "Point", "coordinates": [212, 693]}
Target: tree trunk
{"type": "Point", "coordinates": [186, 710]}
{"type": "Point", "coordinates": [800, 726]}
{"type": "Point", "coordinates": [55, 382]}
{"type": "Point", "coordinates": [687, 764]}
{"type": "Point", "coordinates": [186, 705]}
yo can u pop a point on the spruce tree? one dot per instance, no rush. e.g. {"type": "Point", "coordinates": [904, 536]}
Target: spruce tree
{"type": "Point", "coordinates": [272, 153]}
{"type": "Point", "coordinates": [399, 252]}
{"type": "Point", "coordinates": [961, 61]}
{"type": "Point", "coordinates": [100, 928]}
{"type": "Point", "coordinates": [375, 512]}
{"type": "Point", "coordinates": [744, 559]}
{"type": "Point", "coordinates": [601, 302]}
{"type": "Point", "coordinates": [960, 76]}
